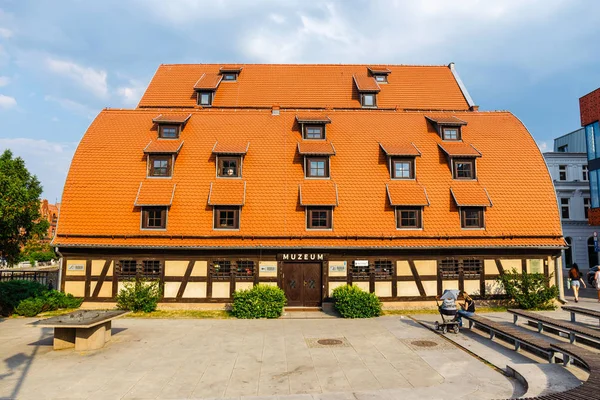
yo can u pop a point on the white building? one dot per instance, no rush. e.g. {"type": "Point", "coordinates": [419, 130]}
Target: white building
{"type": "Point", "coordinates": [568, 166]}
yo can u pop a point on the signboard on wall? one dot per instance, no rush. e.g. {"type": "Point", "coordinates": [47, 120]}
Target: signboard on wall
{"type": "Point", "coordinates": [361, 263]}
{"type": "Point", "coordinates": [268, 267]}
{"type": "Point", "coordinates": [302, 257]}
{"type": "Point", "coordinates": [338, 266]}
{"type": "Point", "coordinates": [76, 267]}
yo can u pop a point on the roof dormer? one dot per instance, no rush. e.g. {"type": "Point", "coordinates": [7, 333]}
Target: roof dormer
{"type": "Point", "coordinates": [379, 73]}
{"type": "Point", "coordinates": [448, 128]}
{"type": "Point", "coordinates": [171, 125]}
{"type": "Point", "coordinates": [367, 88]}
{"type": "Point", "coordinates": [312, 126]}
{"type": "Point", "coordinates": [230, 73]}
{"type": "Point", "coordinates": [206, 87]}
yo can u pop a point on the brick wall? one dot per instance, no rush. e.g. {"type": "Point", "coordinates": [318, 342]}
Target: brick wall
{"type": "Point", "coordinates": [594, 216]}
{"type": "Point", "coordinates": [589, 107]}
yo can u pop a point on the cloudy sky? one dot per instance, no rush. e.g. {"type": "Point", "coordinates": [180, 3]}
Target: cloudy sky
{"type": "Point", "coordinates": [62, 61]}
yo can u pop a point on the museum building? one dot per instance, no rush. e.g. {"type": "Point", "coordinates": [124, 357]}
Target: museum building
{"type": "Point", "coordinates": [308, 177]}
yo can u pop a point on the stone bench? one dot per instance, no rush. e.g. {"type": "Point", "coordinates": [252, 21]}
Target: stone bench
{"type": "Point", "coordinates": [84, 329]}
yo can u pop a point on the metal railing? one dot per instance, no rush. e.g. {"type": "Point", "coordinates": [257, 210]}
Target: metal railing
{"type": "Point", "coordinates": [46, 278]}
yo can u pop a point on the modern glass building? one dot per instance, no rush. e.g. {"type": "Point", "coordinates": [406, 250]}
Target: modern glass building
{"type": "Point", "coordinates": [589, 106]}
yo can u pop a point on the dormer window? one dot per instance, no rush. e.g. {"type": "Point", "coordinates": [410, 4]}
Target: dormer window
{"type": "Point", "coordinates": [229, 167]}
{"type": "Point", "coordinates": [316, 158]}
{"type": "Point", "coordinates": [154, 217]}
{"type": "Point", "coordinates": [368, 100]}
{"type": "Point", "coordinates": [205, 99]}
{"type": "Point", "coordinates": [160, 165]}
{"type": "Point", "coordinates": [229, 77]}
{"type": "Point", "coordinates": [229, 73]}
{"type": "Point", "coordinates": [464, 168]}
{"type": "Point", "coordinates": [451, 133]}
{"type": "Point", "coordinates": [403, 168]}
{"type": "Point", "coordinates": [317, 167]}
{"type": "Point", "coordinates": [401, 159]}
{"type": "Point", "coordinates": [314, 132]}
{"type": "Point", "coordinates": [461, 159]}
{"type": "Point", "coordinates": [168, 131]}
{"type": "Point", "coordinates": [381, 78]}
{"type": "Point", "coordinates": [379, 73]}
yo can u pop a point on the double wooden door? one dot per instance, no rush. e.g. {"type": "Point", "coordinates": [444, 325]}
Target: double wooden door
{"type": "Point", "coordinates": [302, 284]}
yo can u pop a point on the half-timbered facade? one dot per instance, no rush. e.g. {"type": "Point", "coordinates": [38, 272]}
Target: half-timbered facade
{"type": "Point", "coordinates": [307, 177]}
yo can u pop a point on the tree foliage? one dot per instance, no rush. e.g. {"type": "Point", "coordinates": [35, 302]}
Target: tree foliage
{"type": "Point", "coordinates": [19, 206]}
{"type": "Point", "coordinates": [529, 291]}
{"type": "Point", "coordinates": [37, 250]}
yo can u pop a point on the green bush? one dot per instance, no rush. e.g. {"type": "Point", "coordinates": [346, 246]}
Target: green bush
{"type": "Point", "coordinates": [139, 295]}
{"type": "Point", "coordinates": [14, 291]}
{"type": "Point", "coordinates": [528, 291]}
{"type": "Point", "coordinates": [31, 307]}
{"type": "Point", "coordinates": [262, 301]}
{"type": "Point", "coordinates": [353, 302]}
{"type": "Point", "coordinates": [55, 300]}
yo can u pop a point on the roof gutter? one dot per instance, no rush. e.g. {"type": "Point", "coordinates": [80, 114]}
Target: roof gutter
{"type": "Point", "coordinates": [461, 85]}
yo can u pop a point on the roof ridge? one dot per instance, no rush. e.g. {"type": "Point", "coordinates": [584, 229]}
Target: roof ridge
{"type": "Point", "coordinates": [309, 64]}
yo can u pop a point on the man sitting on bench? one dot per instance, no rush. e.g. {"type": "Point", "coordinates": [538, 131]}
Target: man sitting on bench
{"type": "Point", "coordinates": [467, 308]}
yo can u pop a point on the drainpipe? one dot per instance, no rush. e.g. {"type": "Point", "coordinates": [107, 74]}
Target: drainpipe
{"type": "Point", "coordinates": [60, 261]}
{"type": "Point", "coordinates": [558, 276]}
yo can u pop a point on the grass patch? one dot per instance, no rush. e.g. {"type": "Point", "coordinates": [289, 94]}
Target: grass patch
{"type": "Point", "coordinates": [182, 314]}
{"type": "Point", "coordinates": [435, 311]}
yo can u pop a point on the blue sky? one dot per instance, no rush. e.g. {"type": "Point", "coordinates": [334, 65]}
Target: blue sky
{"type": "Point", "coordinates": [62, 61]}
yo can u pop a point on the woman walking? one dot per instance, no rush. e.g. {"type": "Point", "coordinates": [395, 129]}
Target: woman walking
{"type": "Point", "coordinates": [576, 280]}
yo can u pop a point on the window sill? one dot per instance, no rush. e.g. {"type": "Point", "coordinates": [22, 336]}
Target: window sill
{"type": "Point", "coordinates": [159, 177]}
{"type": "Point", "coordinates": [228, 177]}
{"type": "Point", "coordinates": [322, 178]}
{"type": "Point", "coordinates": [227, 229]}
{"type": "Point", "coordinates": [473, 229]}
{"type": "Point", "coordinates": [403, 179]}
{"type": "Point", "coordinates": [154, 229]}
{"type": "Point", "coordinates": [409, 229]}
{"type": "Point", "coordinates": [319, 230]}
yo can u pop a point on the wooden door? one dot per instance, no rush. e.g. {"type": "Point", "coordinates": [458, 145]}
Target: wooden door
{"type": "Point", "coordinates": [312, 285]}
{"type": "Point", "coordinates": [302, 284]}
{"type": "Point", "coordinates": [293, 284]}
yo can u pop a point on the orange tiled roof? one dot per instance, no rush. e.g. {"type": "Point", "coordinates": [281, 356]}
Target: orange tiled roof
{"type": "Point", "coordinates": [231, 148]}
{"type": "Point", "coordinates": [307, 86]}
{"type": "Point", "coordinates": [231, 68]}
{"type": "Point", "coordinates": [172, 118]}
{"type": "Point", "coordinates": [316, 147]}
{"type": "Point", "coordinates": [521, 216]}
{"type": "Point", "coordinates": [366, 83]}
{"type": "Point", "coordinates": [378, 70]}
{"type": "Point", "coordinates": [470, 193]}
{"type": "Point", "coordinates": [165, 146]}
{"type": "Point", "coordinates": [399, 149]}
{"type": "Point", "coordinates": [155, 192]}
{"type": "Point", "coordinates": [208, 82]}
{"type": "Point", "coordinates": [446, 120]}
{"type": "Point", "coordinates": [318, 193]}
{"type": "Point", "coordinates": [459, 149]}
{"type": "Point", "coordinates": [313, 117]}
{"type": "Point", "coordinates": [406, 193]}
{"type": "Point", "coordinates": [227, 192]}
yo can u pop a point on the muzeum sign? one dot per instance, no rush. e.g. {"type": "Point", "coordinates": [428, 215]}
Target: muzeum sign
{"type": "Point", "coordinates": [302, 257]}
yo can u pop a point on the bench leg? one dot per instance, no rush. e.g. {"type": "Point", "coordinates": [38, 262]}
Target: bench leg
{"type": "Point", "coordinates": [540, 327]}
{"type": "Point", "coordinates": [90, 338]}
{"type": "Point", "coordinates": [517, 345]}
{"type": "Point", "coordinates": [492, 334]}
{"type": "Point", "coordinates": [571, 337]}
{"type": "Point", "coordinates": [515, 318]}
{"type": "Point", "coordinates": [572, 316]}
{"type": "Point", "coordinates": [471, 323]}
{"type": "Point", "coordinates": [551, 357]}
{"type": "Point", "coordinates": [566, 359]}
{"type": "Point", "coordinates": [64, 338]}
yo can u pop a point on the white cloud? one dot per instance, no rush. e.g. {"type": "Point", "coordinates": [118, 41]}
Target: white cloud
{"type": "Point", "coordinates": [49, 161]}
{"type": "Point", "coordinates": [89, 78]}
{"type": "Point", "coordinates": [543, 146]}
{"type": "Point", "coordinates": [4, 80]}
{"type": "Point", "coordinates": [132, 93]}
{"type": "Point", "coordinates": [277, 18]}
{"type": "Point", "coordinates": [7, 102]}
{"type": "Point", "coordinates": [6, 33]}
{"type": "Point", "coordinates": [73, 106]}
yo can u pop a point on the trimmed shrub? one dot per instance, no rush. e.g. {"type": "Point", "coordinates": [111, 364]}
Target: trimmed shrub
{"type": "Point", "coordinates": [353, 302]}
{"type": "Point", "coordinates": [55, 300]}
{"type": "Point", "coordinates": [139, 295]}
{"type": "Point", "coordinates": [262, 301]}
{"type": "Point", "coordinates": [31, 307]}
{"type": "Point", "coordinates": [14, 291]}
{"type": "Point", "coordinates": [529, 291]}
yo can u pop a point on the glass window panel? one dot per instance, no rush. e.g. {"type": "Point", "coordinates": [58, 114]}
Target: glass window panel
{"type": "Point", "coordinates": [402, 169]}
{"type": "Point", "coordinates": [169, 132]}
{"type": "Point", "coordinates": [596, 133]}
{"type": "Point", "coordinates": [368, 100]}
{"type": "Point", "coordinates": [450, 133]}
{"type": "Point", "coordinates": [594, 189]}
{"type": "Point", "coordinates": [205, 98]}
{"type": "Point", "coordinates": [591, 145]}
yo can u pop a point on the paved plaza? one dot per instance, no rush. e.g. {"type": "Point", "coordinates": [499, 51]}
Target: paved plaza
{"type": "Point", "coordinates": [383, 358]}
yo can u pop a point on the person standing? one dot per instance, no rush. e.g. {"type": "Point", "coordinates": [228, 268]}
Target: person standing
{"type": "Point", "coordinates": [576, 281]}
{"type": "Point", "coordinates": [597, 282]}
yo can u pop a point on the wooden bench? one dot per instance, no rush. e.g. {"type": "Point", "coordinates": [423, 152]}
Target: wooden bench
{"type": "Point", "coordinates": [568, 327]}
{"type": "Point", "coordinates": [518, 336]}
{"type": "Point", "coordinates": [590, 389]}
{"type": "Point", "coordinates": [84, 329]}
{"type": "Point", "coordinates": [581, 310]}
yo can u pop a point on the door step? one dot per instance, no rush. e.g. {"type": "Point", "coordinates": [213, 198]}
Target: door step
{"type": "Point", "coordinates": [301, 309]}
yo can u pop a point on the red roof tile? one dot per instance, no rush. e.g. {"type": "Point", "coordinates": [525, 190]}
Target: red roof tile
{"type": "Point", "coordinates": [400, 149]}
{"type": "Point", "coordinates": [172, 118]}
{"type": "Point", "coordinates": [316, 147]}
{"type": "Point", "coordinates": [165, 146]}
{"type": "Point", "coordinates": [366, 83]}
{"type": "Point", "coordinates": [307, 86]}
{"type": "Point", "coordinates": [155, 192]}
{"type": "Point", "coordinates": [459, 149]}
{"type": "Point", "coordinates": [406, 193]}
{"type": "Point", "coordinates": [470, 193]}
{"type": "Point", "coordinates": [446, 120]}
{"type": "Point", "coordinates": [318, 193]}
{"type": "Point", "coordinates": [231, 148]}
{"type": "Point", "coordinates": [208, 82]}
{"type": "Point", "coordinates": [227, 192]}
{"type": "Point", "coordinates": [314, 118]}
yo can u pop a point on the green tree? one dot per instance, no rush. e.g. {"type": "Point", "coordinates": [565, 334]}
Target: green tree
{"type": "Point", "coordinates": [19, 206]}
